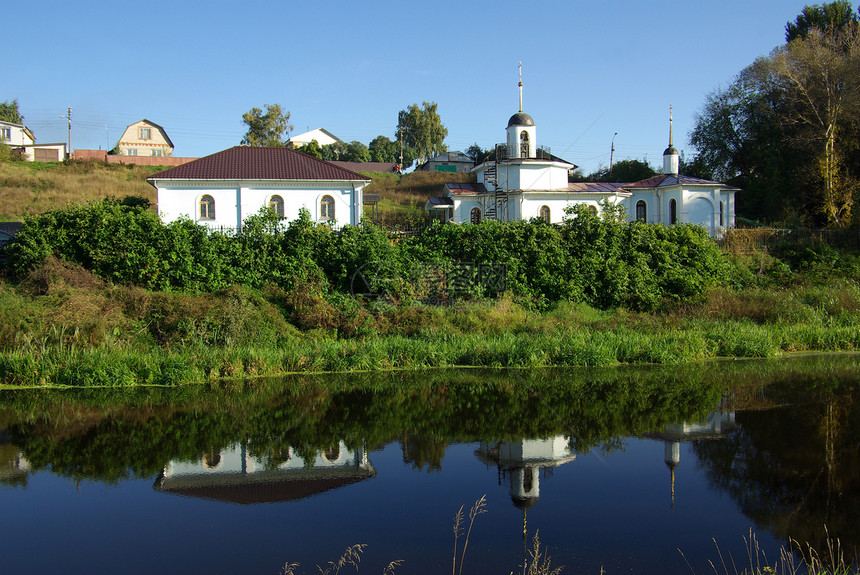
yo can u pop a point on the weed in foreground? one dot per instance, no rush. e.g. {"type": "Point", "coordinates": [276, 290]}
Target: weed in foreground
{"type": "Point", "coordinates": [540, 562]}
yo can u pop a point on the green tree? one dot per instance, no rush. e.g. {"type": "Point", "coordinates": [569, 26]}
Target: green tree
{"type": "Point", "coordinates": [9, 112]}
{"type": "Point", "coordinates": [267, 129]}
{"type": "Point", "coordinates": [383, 150]}
{"type": "Point", "coordinates": [825, 17]}
{"type": "Point", "coordinates": [357, 152]}
{"type": "Point", "coordinates": [312, 148]}
{"type": "Point", "coordinates": [422, 130]}
{"type": "Point", "coordinates": [333, 152]}
{"type": "Point", "coordinates": [624, 171]}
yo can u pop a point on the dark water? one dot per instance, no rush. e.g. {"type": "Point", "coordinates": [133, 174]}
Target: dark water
{"type": "Point", "coordinates": [629, 470]}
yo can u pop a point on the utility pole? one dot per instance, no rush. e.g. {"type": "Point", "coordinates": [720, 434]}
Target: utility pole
{"type": "Point", "coordinates": [611, 154]}
{"type": "Point", "coordinates": [70, 132]}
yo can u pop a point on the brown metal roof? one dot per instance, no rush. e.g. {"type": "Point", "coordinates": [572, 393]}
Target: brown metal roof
{"type": "Point", "coordinates": [254, 163]}
{"type": "Point", "coordinates": [666, 180]}
{"type": "Point", "coordinates": [465, 189]}
{"type": "Point", "coordinates": [595, 188]}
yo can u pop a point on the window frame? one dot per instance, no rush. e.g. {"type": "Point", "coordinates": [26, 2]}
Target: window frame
{"type": "Point", "coordinates": [545, 214]}
{"type": "Point", "coordinates": [276, 204]}
{"type": "Point", "coordinates": [327, 208]}
{"type": "Point", "coordinates": [475, 215]}
{"type": "Point", "coordinates": [643, 216]}
{"type": "Point", "coordinates": [206, 208]}
{"type": "Point", "coordinates": [144, 133]}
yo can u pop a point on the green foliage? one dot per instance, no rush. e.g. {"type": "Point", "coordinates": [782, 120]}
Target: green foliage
{"type": "Point", "coordinates": [422, 129]}
{"type": "Point", "coordinates": [9, 112]}
{"type": "Point", "coordinates": [384, 150]}
{"type": "Point", "coordinates": [624, 171]}
{"type": "Point", "coordinates": [827, 16]}
{"type": "Point", "coordinates": [266, 129]}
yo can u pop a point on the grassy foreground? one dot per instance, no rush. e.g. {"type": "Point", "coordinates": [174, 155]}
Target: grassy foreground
{"type": "Point", "coordinates": [65, 326]}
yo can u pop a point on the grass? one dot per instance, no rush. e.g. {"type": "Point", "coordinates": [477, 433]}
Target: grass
{"type": "Point", "coordinates": [36, 187]}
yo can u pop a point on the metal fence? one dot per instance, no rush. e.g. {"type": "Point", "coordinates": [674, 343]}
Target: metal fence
{"type": "Point", "coordinates": [747, 240]}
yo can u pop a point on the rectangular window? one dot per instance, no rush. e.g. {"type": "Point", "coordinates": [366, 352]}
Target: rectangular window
{"type": "Point", "coordinates": [5, 134]}
{"type": "Point", "coordinates": [145, 133]}
{"type": "Point", "coordinates": [131, 152]}
{"type": "Point", "coordinates": [158, 153]}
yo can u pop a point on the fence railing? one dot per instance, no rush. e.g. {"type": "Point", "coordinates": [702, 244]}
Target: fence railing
{"type": "Point", "coordinates": [746, 240]}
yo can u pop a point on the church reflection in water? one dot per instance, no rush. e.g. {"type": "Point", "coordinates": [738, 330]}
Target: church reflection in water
{"type": "Point", "coordinates": [234, 475]}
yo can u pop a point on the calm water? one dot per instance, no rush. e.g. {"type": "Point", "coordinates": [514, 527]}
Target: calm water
{"type": "Point", "coordinates": [624, 470]}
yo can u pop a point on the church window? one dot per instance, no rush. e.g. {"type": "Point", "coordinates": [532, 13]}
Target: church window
{"type": "Point", "coordinates": [641, 210]}
{"type": "Point", "coordinates": [276, 203]}
{"type": "Point", "coordinates": [327, 208]}
{"type": "Point", "coordinates": [673, 211]}
{"type": "Point", "coordinates": [722, 204]}
{"type": "Point", "coordinates": [475, 216]}
{"type": "Point", "coordinates": [544, 213]}
{"type": "Point", "coordinates": [593, 209]}
{"type": "Point", "coordinates": [207, 208]}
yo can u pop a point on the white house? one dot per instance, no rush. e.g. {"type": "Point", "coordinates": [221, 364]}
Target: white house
{"type": "Point", "coordinates": [321, 135]}
{"type": "Point", "coordinates": [19, 137]}
{"type": "Point", "coordinates": [221, 190]}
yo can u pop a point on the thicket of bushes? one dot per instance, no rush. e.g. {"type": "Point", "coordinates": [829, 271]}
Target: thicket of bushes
{"type": "Point", "coordinates": [601, 261]}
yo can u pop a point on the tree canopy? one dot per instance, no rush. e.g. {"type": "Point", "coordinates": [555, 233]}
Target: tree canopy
{"type": "Point", "coordinates": [267, 129]}
{"type": "Point", "coordinates": [9, 112]}
{"type": "Point", "coordinates": [786, 130]}
{"type": "Point", "coordinates": [623, 171]}
{"type": "Point", "coordinates": [422, 130]}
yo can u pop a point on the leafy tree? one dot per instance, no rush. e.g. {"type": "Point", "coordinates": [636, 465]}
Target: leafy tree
{"type": "Point", "coordinates": [9, 112]}
{"type": "Point", "coordinates": [477, 153]}
{"type": "Point", "coordinates": [335, 151]}
{"type": "Point", "coordinates": [422, 130]}
{"type": "Point", "coordinates": [357, 152]}
{"type": "Point", "coordinates": [820, 75]}
{"type": "Point", "coordinates": [624, 171]}
{"type": "Point", "coordinates": [267, 129]}
{"type": "Point", "coordinates": [825, 17]}
{"type": "Point", "coordinates": [313, 149]}
{"type": "Point", "coordinates": [383, 150]}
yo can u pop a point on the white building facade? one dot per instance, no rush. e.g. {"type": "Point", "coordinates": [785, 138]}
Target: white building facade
{"type": "Point", "coordinates": [220, 191]}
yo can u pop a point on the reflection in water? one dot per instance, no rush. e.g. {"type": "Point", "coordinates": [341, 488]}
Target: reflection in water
{"type": "Point", "coordinates": [14, 468]}
{"type": "Point", "coordinates": [715, 426]}
{"type": "Point", "coordinates": [233, 475]}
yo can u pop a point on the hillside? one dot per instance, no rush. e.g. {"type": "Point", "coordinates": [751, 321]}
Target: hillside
{"type": "Point", "coordinates": [36, 187]}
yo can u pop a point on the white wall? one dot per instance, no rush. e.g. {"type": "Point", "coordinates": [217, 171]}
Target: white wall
{"type": "Point", "coordinates": [234, 203]}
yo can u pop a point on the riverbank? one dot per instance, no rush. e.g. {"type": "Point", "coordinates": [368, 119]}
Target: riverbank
{"type": "Point", "coordinates": [65, 327]}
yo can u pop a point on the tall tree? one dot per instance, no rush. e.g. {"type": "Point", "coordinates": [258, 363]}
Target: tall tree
{"type": "Point", "coordinates": [267, 129]}
{"type": "Point", "coordinates": [422, 130]}
{"type": "Point", "coordinates": [9, 112]}
{"type": "Point", "coordinates": [826, 17]}
{"type": "Point", "coordinates": [821, 77]}
{"type": "Point", "coordinates": [383, 150]}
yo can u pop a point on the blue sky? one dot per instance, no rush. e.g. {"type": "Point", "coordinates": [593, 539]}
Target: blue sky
{"type": "Point", "coordinates": [590, 69]}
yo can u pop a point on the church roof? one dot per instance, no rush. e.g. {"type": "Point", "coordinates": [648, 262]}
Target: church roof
{"type": "Point", "coordinates": [458, 189]}
{"type": "Point", "coordinates": [521, 119]}
{"type": "Point", "coordinates": [256, 163]}
{"type": "Point", "coordinates": [664, 180]}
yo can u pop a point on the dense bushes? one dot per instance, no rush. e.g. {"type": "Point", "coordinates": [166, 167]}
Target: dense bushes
{"type": "Point", "coordinates": [602, 261]}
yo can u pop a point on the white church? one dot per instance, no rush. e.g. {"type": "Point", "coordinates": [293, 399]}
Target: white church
{"type": "Point", "coordinates": [523, 181]}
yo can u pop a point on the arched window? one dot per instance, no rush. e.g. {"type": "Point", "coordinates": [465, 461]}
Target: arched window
{"type": "Point", "coordinates": [544, 213]}
{"type": "Point", "coordinates": [722, 204]}
{"type": "Point", "coordinates": [207, 208]}
{"type": "Point", "coordinates": [475, 216]}
{"type": "Point", "coordinates": [673, 211]}
{"type": "Point", "coordinates": [524, 144]}
{"type": "Point", "coordinates": [593, 209]}
{"type": "Point", "coordinates": [641, 210]}
{"type": "Point", "coordinates": [327, 208]}
{"type": "Point", "coordinates": [277, 205]}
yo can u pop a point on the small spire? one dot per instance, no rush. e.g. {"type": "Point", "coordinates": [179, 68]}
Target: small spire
{"type": "Point", "coordinates": [670, 126]}
{"type": "Point", "coordinates": [521, 86]}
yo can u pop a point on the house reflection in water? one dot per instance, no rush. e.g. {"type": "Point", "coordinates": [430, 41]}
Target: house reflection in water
{"type": "Point", "coordinates": [521, 464]}
{"type": "Point", "coordinates": [715, 426]}
{"type": "Point", "coordinates": [233, 475]}
{"type": "Point", "coordinates": [14, 469]}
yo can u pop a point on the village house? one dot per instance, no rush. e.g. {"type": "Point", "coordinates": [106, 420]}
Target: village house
{"type": "Point", "coordinates": [144, 138]}
{"type": "Point", "coordinates": [321, 135]}
{"type": "Point", "coordinates": [19, 138]}
{"type": "Point", "coordinates": [221, 190]}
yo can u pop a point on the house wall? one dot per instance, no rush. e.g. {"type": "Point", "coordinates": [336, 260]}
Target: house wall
{"type": "Point", "coordinates": [234, 203]}
{"type": "Point", "coordinates": [533, 176]}
{"type": "Point", "coordinates": [57, 152]}
{"type": "Point", "coordinates": [18, 136]}
{"type": "Point", "coordinates": [131, 140]}
{"type": "Point", "coordinates": [699, 206]}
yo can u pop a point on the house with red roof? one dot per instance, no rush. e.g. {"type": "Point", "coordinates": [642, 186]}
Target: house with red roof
{"type": "Point", "coordinates": [221, 190]}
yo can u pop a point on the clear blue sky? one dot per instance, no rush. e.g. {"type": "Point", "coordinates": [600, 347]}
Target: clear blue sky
{"type": "Point", "coordinates": [590, 69]}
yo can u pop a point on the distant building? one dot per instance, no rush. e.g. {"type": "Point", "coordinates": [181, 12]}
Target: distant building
{"type": "Point", "coordinates": [144, 138]}
{"type": "Point", "coordinates": [19, 137]}
{"type": "Point", "coordinates": [449, 162]}
{"type": "Point", "coordinates": [321, 135]}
